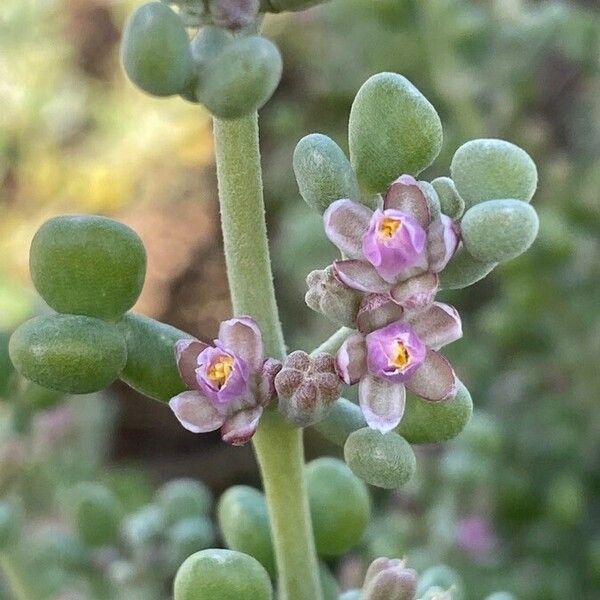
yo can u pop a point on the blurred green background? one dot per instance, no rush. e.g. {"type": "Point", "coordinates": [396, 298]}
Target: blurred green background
{"type": "Point", "coordinates": [513, 503]}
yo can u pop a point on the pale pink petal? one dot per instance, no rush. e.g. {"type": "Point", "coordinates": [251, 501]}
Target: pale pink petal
{"type": "Point", "coordinates": [377, 311]}
{"type": "Point", "coordinates": [382, 402]}
{"type": "Point", "coordinates": [241, 335]}
{"type": "Point", "coordinates": [265, 389]}
{"type": "Point", "coordinates": [416, 292]}
{"type": "Point", "coordinates": [239, 428]}
{"type": "Point", "coordinates": [434, 380]}
{"type": "Point", "coordinates": [346, 223]}
{"type": "Point", "coordinates": [406, 195]}
{"type": "Point", "coordinates": [186, 355]}
{"type": "Point", "coordinates": [196, 412]}
{"type": "Point", "coordinates": [360, 275]}
{"type": "Point", "coordinates": [442, 242]}
{"type": "Point", "coordinates": [438, 325]}
{"type": "Point", "coordinates": [351, 359]}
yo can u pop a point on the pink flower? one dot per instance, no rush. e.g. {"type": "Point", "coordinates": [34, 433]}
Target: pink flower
{"type": "Point", "coordinates": [399, 356]}
{"type": "Point", "coordinates": [229, 383]}
{"type": "Point", "coordinates": [397, 251]}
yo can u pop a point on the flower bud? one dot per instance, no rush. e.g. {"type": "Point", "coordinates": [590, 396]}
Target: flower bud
{"type": "Point", "coordinates": [233, 14]}
{"type": "Point", "coordinates": [221, 574]}
{"type": "Point", "coordinates": [156, 51]}
{"type": "Point", "coordinates": [389, 579]}
{"type": "Point", "coordinates": [323, 172]}
{"type": "Point", "coordinates": [330, 297]}
{"type": "Point", "coordinates": [499, 230]}
{"type": "Point", "coordinates": [383, 460]}
{"type": "Point", "coordinates": [393, 129]}
{"type": "Point", "coordinates": [88, 265]}
{"type": "Point", "coordinates": [69, 353]}
{"type": "Point", "coordinates": [244, 524]}
{"type": "Point", "coordinates": [307, 387]}
{"type": "Point", "coordinates": [491, 169]}
{"type": "Point", "coordinates": [463, 270]}
{"type": "Point", "coordinates": [451, 203]}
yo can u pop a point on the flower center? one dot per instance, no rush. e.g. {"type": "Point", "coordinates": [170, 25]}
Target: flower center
{"type": "Point", "coordinates": [400, 356]}
{"type": "Point", "coordinates": [220, 370]}
{"type": "Point", "coordinates": [388, 227]}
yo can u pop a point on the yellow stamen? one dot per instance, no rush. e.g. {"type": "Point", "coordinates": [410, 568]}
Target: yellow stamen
{"type": "Point", "coordinates": [400, 357]}
{"type": "Point", "coordinates": [220, 371]}
{"type": "Point", "coordinates": [388, 227]}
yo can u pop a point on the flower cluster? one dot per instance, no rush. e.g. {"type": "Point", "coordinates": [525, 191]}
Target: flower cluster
{"type": "Point", "coordinates": [229, 383]}
{"type": "Point", "coordinates": [392, 258]}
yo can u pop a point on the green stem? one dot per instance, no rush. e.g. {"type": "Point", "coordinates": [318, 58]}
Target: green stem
{"type": "Point", "coordinates": [333, 344]}
{"type": "Point", "coordinates": [15, 578]}
{"type": "Point", "coordinates": [278, 446]}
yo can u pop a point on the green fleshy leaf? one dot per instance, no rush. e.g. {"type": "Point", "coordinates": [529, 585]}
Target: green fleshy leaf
{"type": "Point", "coordinates": [183, 499]}
{"type": "Point", "coordinates": [323, 172]}
{"type": "Point", "coordinates": [463, 270]}
{"type": "Point", "coordinates": [151, 368]}
{"type": "Point", "coordinates": [97, 515]}
{"type": "Point", "coordinates": [393, 130]}
{"type": "Point", "coordinates": [433, 422]}
{"type": "Point", "coordinates": [69, 353]}
{"type": "Point", "coordinates": [490, 169]}
{"type": "Point", "coordinates": [382, 460]}
{"type": "Point", "coordinates": [241, 78]}
{"type": "Point", "coordinates": [450, 201]}
{"type": "Point", "coordinates": [156, 51]}
{"type": "Point", "coordinates": [499, 230]}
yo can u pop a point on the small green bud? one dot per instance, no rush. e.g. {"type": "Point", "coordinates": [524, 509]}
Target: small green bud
{"type": "Point", "coordinates": [463, 270]}
{"type": "Point", "coordinates": [156, 50]}
{"type": "Point", "coordinates": [450, 201]}
{"type": "Point", "coordinates": [151, 367]}
{"type": "Point", "coordinates": [433, 422]}
{"type": "Point", "coordinates": [244, 523]}
{"type": "Point", "coordinates": [383, 460]}
{"type": "Point", "coordinates": [393, 130]}
{"type": "Point", "coordinates": [11, 522]}
{"type": "Point", "coordinates": [499, 230]}
{"type": "Point", "coordinates": [69, 353]}
{"type": "Point", "coordinates": [97, 515]}
{"type": "Point", "coordinates": [188, 536]}
{"type": "Point", "coordinates": [323, 172]}
{"type": "Point", "coordinates": [183, 498]}
{"type": "Point", "coordinates": [491, 169]}
{"type": "Point", "coordinates": [442, 577]}
{"type": "Point", "coordinates": [241, 78]}
{"type": "Point", "coordinates": [329, 585]}
{"type": "Point", "coordinates": [222, 575]}
{"type": "Point", "coordinates": [88, 265]}
{"type": "Point", "coordinates": [340, 506]}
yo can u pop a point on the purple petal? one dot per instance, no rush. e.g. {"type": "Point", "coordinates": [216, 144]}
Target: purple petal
{"type": "Point", "coordinates": [239, 428]}
{"type": "Point", "coordinates": [346, 223]}
{"type": "Point", "coordinates": [416, 292]}
{"type": "Point", "coordinates": [437, 326]}
{"type": "Point", "coordinates": [242, 336]}
{"type": "Point", "coordinates": [351, 359]}
{"type": "Point", "coordinates": [196, 412]}
{"type": "Point", "coordinates": [434, 380]}
{"type": "Point", "coordinates": [382, 403]}
{"type": "Point", "coordinates": [360, 275]}
{"type": "Point", "coordinates": [265, 390]}
{"type": "Point", "coordinates": [186, 355]}
{"type": "Point", "coordinates": [442, 242]}
{"type": "Point", "coordinates": [233, 388]}
{"type": "Point", "coordinates": [377, 311]}
{"type": "Point", "coordinates": [406, 195]}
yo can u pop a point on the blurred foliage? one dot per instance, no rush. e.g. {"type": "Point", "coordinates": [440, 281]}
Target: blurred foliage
{"type": "Point", "coordinates": [523, 480]}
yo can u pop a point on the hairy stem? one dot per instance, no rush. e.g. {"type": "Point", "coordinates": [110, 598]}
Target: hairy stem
{"type": "Point", "coordinates": [278, 446]}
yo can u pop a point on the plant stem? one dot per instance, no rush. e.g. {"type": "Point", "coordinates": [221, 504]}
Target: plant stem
{"type": "Point", "coordinates": [15, 578]}
{"type": "Point", "coordinates": [278, 445]}
{"type": "Point", "coordinates": [333, 344]}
